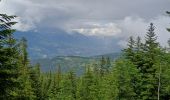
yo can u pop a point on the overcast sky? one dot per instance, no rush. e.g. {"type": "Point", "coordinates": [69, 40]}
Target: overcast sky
{"type": "Point", "coordinates": [101, 18]}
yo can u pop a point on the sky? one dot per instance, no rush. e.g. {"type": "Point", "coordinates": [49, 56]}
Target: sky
{"type": "Point", "coordinates": [105, 19]}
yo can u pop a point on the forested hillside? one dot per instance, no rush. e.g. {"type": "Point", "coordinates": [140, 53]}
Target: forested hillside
{"type": "Point", "coordinates": [76, 63]}
{"type": "Point", "coordinates": [141, 71]}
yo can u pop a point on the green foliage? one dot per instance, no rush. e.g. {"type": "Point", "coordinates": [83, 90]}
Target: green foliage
{"type": "Point", "coordinates": [9, 62]}
{"type": "Point", "coordinates": [144, 56]}
{"type": "Point", "coordinates": [6, 21]}
{"type": "Point", "coordinates": [129, 54]}
{"type": "Point", "coordinates": [25, 89]}
{"type": "Point", "coordinates": [88, 89]}
{"type": "Point", "coordinates": [36, 82]}
{"type": "Point", "coordinates": [126, 77]}
{"type": "Point", "coordinates": [69, 87]}
{"type": "Point", "coordinates": [105, 65]}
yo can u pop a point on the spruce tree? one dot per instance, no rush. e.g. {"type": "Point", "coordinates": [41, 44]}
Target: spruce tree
{"type": "Point", "coordinates": [129, 52]}
{"type": "Point", "coordinates": [35, 76]}
{"type": "Point", "coordinates": [25, 89]}
{"type": "Point", "coordinates": [151, 49]}
{"type": "Point", "coordinates": [69, 87]}
{"type": "Point", "coordinates": [125, 75]}
{"type": "Point", "coordinates": [72, 78]}
{"type": "Point", "coordinates": [88, 89]}
{"type": "Point", "coordinates": [103, 66]}
{"type": "Point", "coordinates": [56, 85]}
{"type": "Point", "coordinates": [138, 53]}
{"type": "Point", "coordinates": [108, 64]}
{"type": "Point", "coordinates": [9, 58]}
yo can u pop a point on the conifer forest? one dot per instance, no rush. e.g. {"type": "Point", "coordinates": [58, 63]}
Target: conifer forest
{"type": "Point", "coordinates": [140, 72]}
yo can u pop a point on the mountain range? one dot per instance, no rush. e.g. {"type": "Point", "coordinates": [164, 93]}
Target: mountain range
{"type": "Point", "coordinates": [72, 51]}
{"type": "Point", "coordinates": [50, 44]}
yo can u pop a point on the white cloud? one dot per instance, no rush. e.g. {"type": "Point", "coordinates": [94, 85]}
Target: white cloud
{"type": "Point", "coordinates": [28, 13]}
{"type": "Point", "coordinates": [133, 26]}
{"type": "Point", "coordinates": [124, 28]}
{"type": "Point", "coordinates": [59, 13]}
{"type": "Point", "coordinates": [136, 26]}
{"type": "Point", "coordinates": [23, 26]}
{"type": "Point", "coordinates": [98, 29]}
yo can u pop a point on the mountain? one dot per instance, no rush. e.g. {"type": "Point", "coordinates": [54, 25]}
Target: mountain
{"type": "Point", "coordinates": [70, 50]}
{"type": "Point", "coordinates": [110, 55]}
{"type": "Point", "coordinates": [67, 63]}
{"type": "Point", "coordinates": [49, 44]}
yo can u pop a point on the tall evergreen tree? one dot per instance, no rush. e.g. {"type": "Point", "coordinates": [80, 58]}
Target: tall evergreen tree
{"type": "Point", "coordinates": [25, 89]}
{"type": "Point", "coordinates": [129, 52]}
{"type": "Point", "coordinates": [138, 53]}
{"type": "Point", "coordinates": [56, 86]}
{"type": "Point", "coordinates": [9, 55]}
{"type": "Point", "coordinates": [69, 87]}
{"type": "Point", "coordinates": [88, 89]}
{"type": "Point", "coordinates": [148, 70]}
{"type": "Point", "coordinates": [164, 74]}
{"type": "Point", "coordinates": [105, 66]}
{"type": "Point", "coordinates": [36, 82]}
{"type": "Point", "coordinates": [108, 64]}
{"type": "Point", "coordinates": [125, 75]}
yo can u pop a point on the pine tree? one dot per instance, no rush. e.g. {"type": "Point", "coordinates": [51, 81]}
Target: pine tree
{"type": "Point", "coordinates": [46, 81]}
{"type": "Point", "coordinates": [35, 76]}
{"type": "Point", "coordinates": [125, 75]}
{"type": "Point", "coordinates": [165, 71]}
{"type": "Point", "coordinates": [72, 78]}
{"type": "Point", "coordinates": [163, 74]}
{"type": "Point", "coordinates": [96, 69]}
{"type": "Point", "coordinates": [106, 87]}
{"type": "Point", "coordinates": [56, 85]}
{"type": "Point", "coordinates": [69, 87]}
{"type": "Point", "coordinates": [129, 52]}
{"type": "Point", "coordinates": [23, 52]}
{"type": "Point", "coordinates": [144, 56]}
{"type": "Point", "coordinates": [88, 89]}
{"type": "Point", "coordinates": [103, 66]}
{"type": "Point", "coordinates": [138, 53]}
{"type": "Point", "coordinates": [108, 64]}
{"type": "Point", "coordinates": [9, 55]}
{"type": "Point", "coordinates": [148, 70]}
{"type": "Point", "coordinates": [25, 89]}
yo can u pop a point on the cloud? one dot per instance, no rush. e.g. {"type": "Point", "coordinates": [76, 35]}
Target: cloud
{"type": "Point", "coordinates": [116, 19]}
{"type": "Point", "coordinates": [137, 26]}
{"type": "Point", "coordinates": [98, 29]}
{"type": "Point", "coordinates": [124, 28]}
{"type": "Point", "coordinates": [40, 14]}
{"type": "Point", "coordinates": [29, 13]}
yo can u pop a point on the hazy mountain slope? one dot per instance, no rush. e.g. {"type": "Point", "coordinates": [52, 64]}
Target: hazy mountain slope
{"type": "Point", "coordinates": [67, 63]}
{"type": "Point", "coordinates": [51, 44]}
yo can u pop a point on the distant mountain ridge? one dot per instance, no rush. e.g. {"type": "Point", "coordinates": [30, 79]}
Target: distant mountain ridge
{"type": "Point", "coordinates": [110, 55]}
{"type": "Point", "coordinates": [67, 63]}
{"type": "Point", "coordinates": [46, 43]}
